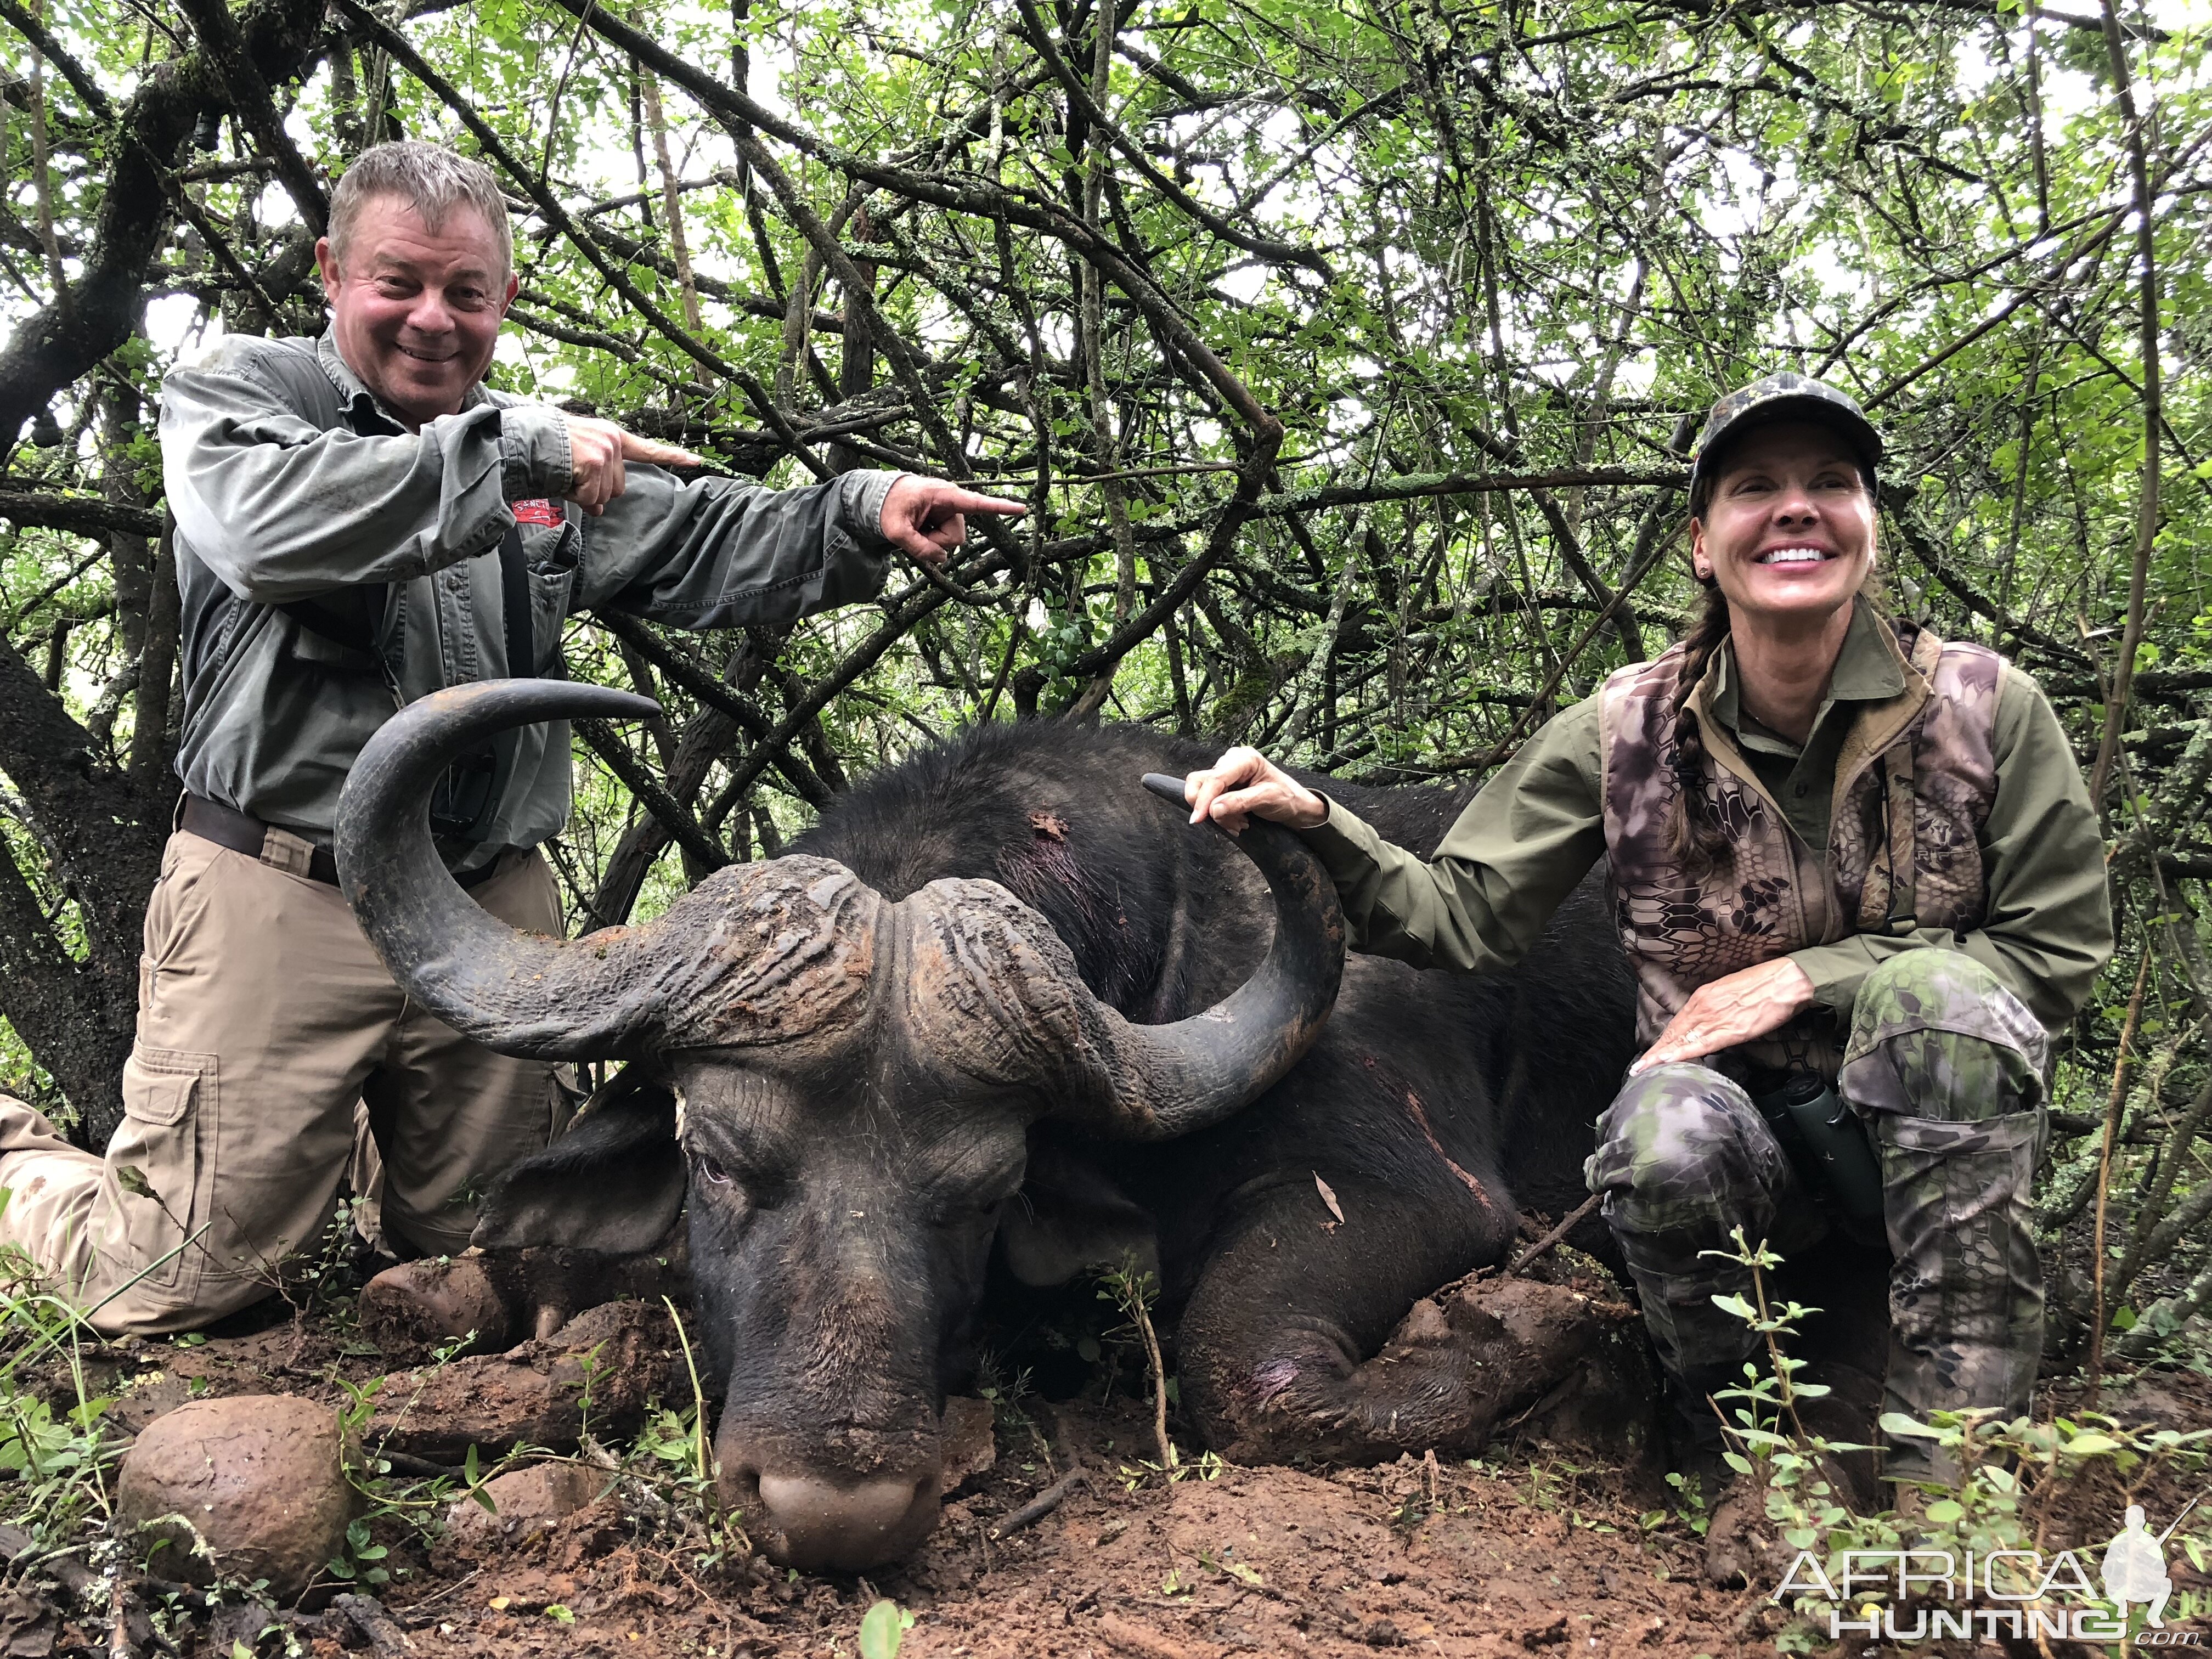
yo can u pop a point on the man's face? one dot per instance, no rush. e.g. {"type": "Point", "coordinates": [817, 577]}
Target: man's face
{"type": "Point", "coordinates": [417, 310]}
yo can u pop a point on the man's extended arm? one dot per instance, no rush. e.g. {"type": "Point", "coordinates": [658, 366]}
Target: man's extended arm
{"type": "Point", "coordinates": [716, 553]}
{"type": "Point", "coordinates": [281, 510]}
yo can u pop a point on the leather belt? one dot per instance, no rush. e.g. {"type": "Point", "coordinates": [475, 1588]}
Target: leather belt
{"type": "Point", "coordinates": [241, 832]}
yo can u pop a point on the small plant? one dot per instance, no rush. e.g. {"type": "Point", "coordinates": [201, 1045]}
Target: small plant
{"type": "Point", "coordinates": [1206, 1466]}
{"type": "Point", "coordinates": [883, 1627]}
{"type": "Point", "coordinates": [1693, 1511]}
{"type": "Point", "coordinates": [1134, 1291]}
{"type": "Point", "coordinates": [591, 1367]}
{"type": "Point", "coordinates": [2011, 1472]}
{"type": "Point", "coordinates": [362, 1561]}
{"type": "Point", "coordinates": [1767, 1438]}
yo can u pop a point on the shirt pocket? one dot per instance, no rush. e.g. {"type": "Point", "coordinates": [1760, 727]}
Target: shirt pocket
{"type": "Point", "coordinates": [169, 1108]}
{"type": "Point", "coordinates": [550, 591]}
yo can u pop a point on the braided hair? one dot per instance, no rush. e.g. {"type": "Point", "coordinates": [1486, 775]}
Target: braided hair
{"type": "Point", "coordinates": [1699, 841]}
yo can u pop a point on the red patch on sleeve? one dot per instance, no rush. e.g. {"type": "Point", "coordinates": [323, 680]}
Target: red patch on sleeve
{"type": "Point", "coordinates": [539, 512]}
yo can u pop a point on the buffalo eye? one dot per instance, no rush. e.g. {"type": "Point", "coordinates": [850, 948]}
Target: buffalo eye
{"type": "Point", "coordinates": [978, 1213]}
{"type": "Point", "coordinates": [710, 1171]}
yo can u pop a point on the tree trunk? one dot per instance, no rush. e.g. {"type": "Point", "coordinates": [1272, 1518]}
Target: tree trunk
{"type": "Point", "coordinates": [100, 836]}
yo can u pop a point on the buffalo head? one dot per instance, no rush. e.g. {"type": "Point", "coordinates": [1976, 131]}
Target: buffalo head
{"type": "Point", "coordinates": [855, 1081]}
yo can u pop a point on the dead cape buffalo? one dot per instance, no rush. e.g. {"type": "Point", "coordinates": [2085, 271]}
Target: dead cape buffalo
{"type": "Point", "coordinates": [1002, 995]}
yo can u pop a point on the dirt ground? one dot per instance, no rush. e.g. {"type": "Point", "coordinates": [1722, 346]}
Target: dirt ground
{"type": "Point", "coordinates": [1526, 1550]}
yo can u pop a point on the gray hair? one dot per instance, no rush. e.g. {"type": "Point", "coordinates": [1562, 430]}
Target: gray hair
{"type": "Point", "coordinates": [429, 178]}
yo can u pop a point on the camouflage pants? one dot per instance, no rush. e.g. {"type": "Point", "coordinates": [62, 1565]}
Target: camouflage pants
{"type": "Point", "coordinates": [1946, 1069]}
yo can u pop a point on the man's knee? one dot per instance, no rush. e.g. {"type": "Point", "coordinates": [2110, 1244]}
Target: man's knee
{"type": "Point", "coordinates": [1682, 1145]}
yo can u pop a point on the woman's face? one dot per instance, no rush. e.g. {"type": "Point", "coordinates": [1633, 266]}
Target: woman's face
{"type": "Point", "coordinates": [1789, 530]}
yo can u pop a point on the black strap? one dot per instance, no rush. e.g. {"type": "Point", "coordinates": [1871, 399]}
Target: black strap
{"type": "Point", "coordinates": [514, 606]}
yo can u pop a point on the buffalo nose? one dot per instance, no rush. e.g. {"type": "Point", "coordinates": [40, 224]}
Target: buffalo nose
{"type": "Point", "coordinates": [815, 1524]}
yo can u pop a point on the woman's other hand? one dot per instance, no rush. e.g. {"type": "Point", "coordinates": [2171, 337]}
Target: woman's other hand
{"type": "Point", "coordinates": [1735, 1009]}
{"type": "Point", "coordinates": [1244, 784]}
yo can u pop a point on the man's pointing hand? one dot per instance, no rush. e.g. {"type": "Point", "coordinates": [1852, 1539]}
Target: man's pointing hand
{"type": "Point", "coordinates": [928, 517]}
{"type": "Point", "coordinates": [597, 450]}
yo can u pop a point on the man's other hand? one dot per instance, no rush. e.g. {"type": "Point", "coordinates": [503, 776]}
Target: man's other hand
{"type": "Point", "coordinates": [928, 517]}
{"type": "Point", "coordinates": [597, 451]}
{"type": "Point", "coordinates": [1243, 785]}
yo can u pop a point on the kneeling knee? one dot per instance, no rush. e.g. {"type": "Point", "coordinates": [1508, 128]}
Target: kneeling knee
{"type": "Point", "coordinates": [1683, 1130]}
{"type": "Point", "coordinates": [1931, 981]}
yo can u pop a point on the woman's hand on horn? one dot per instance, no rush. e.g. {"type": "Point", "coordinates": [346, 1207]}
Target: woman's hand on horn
{"type": "Point", "coordinates": [1735, 1009]}
{"type": "Point", "coordinates": [1244, 784]}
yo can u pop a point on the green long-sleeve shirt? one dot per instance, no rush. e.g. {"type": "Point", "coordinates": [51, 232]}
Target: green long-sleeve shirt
{"type": "Point", "coordinates": [1536, 829]}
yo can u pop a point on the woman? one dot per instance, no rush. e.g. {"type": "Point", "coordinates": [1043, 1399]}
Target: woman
{"type": "Point", "coordinates": [1842, 852]}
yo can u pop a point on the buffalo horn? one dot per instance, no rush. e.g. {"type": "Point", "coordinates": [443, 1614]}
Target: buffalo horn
{"type": "Point", "coordinates": [999, 993]}
{"type": "Point", "coordinates": [521, 993]}
{"type": "Point", "coordinates": [1153, 1082]}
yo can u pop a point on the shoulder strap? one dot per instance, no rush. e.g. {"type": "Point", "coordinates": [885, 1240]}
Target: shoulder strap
{"type": "Point", "coordinates": [514, 606]}
{"type": "Point", "coordinates": [349, 617]}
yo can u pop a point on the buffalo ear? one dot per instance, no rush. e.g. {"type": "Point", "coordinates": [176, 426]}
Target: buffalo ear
{"type": "Point", "coordinates": [613, 1183]}
{"type": "Point", "coordinates": [1071, 1216]}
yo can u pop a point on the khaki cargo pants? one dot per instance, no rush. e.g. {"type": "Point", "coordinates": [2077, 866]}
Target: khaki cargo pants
{"type": "Point", "coordinates": [263, 1017]}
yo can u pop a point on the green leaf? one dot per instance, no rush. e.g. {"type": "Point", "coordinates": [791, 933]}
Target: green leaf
{"type": "Point", "coordinates": [881, 1631]}
{"type": "Point", "coordinates": [559, 1614]}
{"type": "Point", "coordinates": [2090, 1445]}
{"type": "Point", "coordinates": [1944, 1510]}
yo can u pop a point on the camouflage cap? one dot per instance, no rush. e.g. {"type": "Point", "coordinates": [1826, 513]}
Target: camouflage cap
{"type": "Point", "coordinates": [1782, 396]}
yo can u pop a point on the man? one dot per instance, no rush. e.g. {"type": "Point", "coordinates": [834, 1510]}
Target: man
{"type": "Point", "coordinates": [360, 523]}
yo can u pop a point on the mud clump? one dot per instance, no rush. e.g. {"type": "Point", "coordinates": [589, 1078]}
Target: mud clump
{"type": "Point", "coordinates": [483, 1301]}
{"type": "Point", "coordinates": [252, 1486]}
{"type": "Point", "coordinates": [607, 1362]}
{"type": "Point", "coordinates": [526, 1504]}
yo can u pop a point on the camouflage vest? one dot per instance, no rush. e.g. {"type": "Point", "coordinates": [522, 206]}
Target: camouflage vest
{"type": "Point", "coordinates": [1913, 786]}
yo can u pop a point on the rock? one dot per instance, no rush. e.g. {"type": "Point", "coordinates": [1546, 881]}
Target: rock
{"type": "Point", "coordinates": [252, 1486]}
{"type": "Point", "coordinates": [626, 1351]}
{"type": "Point", "coordinates": [529, 1501]}
{"type": "Point", "coordinates": [968, 1442]}
{"type": "Point", "coordinates": [29, 1627]}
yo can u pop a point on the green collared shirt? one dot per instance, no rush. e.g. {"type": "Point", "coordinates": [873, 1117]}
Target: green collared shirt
{"type": "Point", "coordinates": [1799, 778]}
{"type": "Point", "coordinates": [1538, 826]}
